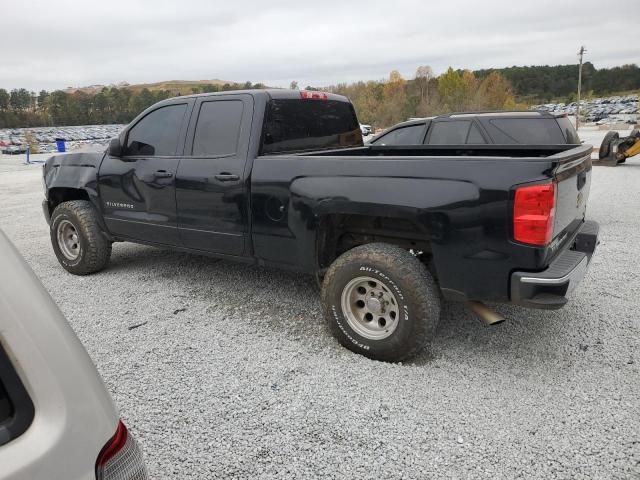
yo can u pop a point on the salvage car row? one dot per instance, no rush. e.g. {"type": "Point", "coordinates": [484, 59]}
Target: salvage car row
{"type": "Point", "coordinates": [622, 108]}
{"type": "Point", "coordinates": [43, 139]}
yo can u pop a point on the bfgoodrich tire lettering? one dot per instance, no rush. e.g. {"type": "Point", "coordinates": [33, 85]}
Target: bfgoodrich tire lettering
{"type": "Point", "coordinates": [92, 250]}
{"type": "Point", "coordinates": [410, 286]}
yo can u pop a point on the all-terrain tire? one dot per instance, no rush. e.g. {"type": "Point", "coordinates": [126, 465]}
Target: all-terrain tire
{"type": "Point", "coordinates": [92, 248]}
{"type": "Point", "coordinates": [391, 269]}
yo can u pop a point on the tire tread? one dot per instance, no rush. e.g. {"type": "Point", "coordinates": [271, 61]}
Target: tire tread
{"type": "Point", "coordinates": [417, 282]}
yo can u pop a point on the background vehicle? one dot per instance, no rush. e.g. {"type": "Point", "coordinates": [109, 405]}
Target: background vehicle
{"type": "Point", "coordinates": [57, 420]}
{"type": "Point", "coordinates": [614, 149]}
{"type": "Point", "coordinates": [480, 128]}
{"type": "Point", "coordinates": [282, 178]}
{"type": "Point", "coordinates": [13, 150]}
{"type": "Point", "coordinates": [366, 129]}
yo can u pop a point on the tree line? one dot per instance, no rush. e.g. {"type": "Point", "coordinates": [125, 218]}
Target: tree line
{"type": "Point", "coordinates": [384, 103]}
{"type": "Point", "coordinates": [380, 103]}
{"type": "Point", "coordinates": [542, 84]}
{"type": "Point", "coordinates": [21, 108]}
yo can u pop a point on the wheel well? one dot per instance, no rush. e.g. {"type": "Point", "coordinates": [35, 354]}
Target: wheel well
{"type": "Point", "coordinates": [57, 195]}
{"type": "Point", "coordinates": [340, 233]}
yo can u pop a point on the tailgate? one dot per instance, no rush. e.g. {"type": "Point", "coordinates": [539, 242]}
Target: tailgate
{"type": "Point", "coordinates": [573, 179]}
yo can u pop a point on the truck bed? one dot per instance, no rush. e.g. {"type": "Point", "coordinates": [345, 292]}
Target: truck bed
{"type": "Point", "coordinates": [458, 199]}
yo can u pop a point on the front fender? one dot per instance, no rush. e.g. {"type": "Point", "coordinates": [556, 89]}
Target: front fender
{"type": "Point", "coordinates": [75, 171]}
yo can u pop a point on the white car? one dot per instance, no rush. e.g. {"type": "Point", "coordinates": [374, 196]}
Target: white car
{"type": "Point", "coordinates": [57, 419]}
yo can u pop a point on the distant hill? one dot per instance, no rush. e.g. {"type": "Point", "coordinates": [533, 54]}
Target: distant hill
{"type": "Point", "coordinates": [174, 86]}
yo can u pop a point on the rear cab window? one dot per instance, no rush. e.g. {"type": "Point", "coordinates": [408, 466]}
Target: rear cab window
{"type": "Point", "coordinates": [298, 125]}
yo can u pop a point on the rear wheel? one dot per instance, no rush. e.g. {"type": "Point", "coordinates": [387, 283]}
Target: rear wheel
{"type": "Point", "coordinates": [77, 239]}
{"type": "Point", "coordinates": [381, 301]}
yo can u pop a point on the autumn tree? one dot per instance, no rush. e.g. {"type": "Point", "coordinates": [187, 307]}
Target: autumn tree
{"type": "Point", "coordinates": [451, 89]}
{"type": "Point", "coordinates": [394, 100]}
{"type": "Point", "coordinates": [368, 97]}
{"type": "Point", "coordinates": [495, 92]}
{"type": "Point", "coordinates": [469, 100]}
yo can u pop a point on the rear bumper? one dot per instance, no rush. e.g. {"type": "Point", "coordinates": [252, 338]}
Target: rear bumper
{"type": "Point", "coordinates": [549, 288]}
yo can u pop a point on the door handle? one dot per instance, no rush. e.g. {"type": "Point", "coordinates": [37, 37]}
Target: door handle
{"type": "Point", "coordinates": [226, 177]}
{"type": "Point", "coordinates": [162, 174]}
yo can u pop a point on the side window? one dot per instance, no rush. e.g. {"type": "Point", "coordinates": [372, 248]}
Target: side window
{"type": "Point", "coordinates": [403, 136]}
{"type": "Point", "coordinates": [535, 131]}
{"type": "Point", "coordinates": [449, 133]}
{"type": "Point", "coordinates": [218, 128]}
{"type": "Point", "coordinates": [157, 133]}
{"type": "Point", "coordinates": [475, 137]}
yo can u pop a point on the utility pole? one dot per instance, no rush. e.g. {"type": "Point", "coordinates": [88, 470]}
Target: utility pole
{"type": "Point", "coordinates": [580, 54]}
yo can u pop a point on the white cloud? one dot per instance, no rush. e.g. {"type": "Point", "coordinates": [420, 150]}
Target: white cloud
{"type": "Point", "coordinates": [63, 43]}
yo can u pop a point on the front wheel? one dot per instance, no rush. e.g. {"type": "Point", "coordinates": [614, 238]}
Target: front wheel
{"type": "Point", "coordinates": [381, 301]}
{"type": "Point", "coordinates": [77, 239]}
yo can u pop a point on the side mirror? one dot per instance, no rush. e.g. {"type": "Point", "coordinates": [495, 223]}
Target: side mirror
{"type": "Point", "coordinates": [115, 147]}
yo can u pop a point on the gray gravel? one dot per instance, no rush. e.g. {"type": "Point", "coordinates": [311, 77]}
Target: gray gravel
{"type": "Point", "coordinates": [227, 371]}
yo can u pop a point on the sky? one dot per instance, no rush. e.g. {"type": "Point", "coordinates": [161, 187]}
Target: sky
{"type": "Point", "coordinates": [58, 44]}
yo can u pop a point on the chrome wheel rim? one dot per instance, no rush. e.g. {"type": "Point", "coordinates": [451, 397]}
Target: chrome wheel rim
{"type": "Point", "coordinates": [371, 309]}
{"type": "Point", "coordinates": [68, 240]}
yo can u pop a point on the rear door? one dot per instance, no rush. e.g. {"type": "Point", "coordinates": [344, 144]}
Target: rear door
{"type": "Point", "coordinates": [211, 181]}
{"type": "Point", "coordinates": [138, 189]}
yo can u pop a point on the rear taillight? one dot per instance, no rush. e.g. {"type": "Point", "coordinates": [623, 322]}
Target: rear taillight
{"type": "Point", "coordinates": [311, 95]}
{"type": "Point", "coordinates": [121, 458]}
{"type": "Point", "coordinates": [533, 213]}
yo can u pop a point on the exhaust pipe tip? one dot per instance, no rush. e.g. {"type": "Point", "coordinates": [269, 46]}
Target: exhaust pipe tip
{"type": "Point", "coordinates": [486, 314]}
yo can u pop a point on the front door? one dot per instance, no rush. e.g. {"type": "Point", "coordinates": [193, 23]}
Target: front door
{"type": "Point", "coordinates": [138, 188]}
{"type": "Point", "coordinates": [211, 184]}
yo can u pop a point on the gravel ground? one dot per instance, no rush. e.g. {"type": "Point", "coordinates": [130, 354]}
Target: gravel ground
{"type": "Point", "coordinates": [230, 373]}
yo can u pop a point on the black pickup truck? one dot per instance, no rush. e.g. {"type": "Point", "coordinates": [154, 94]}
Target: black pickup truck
{"type": "Point", "coordinates": [282, 178]}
